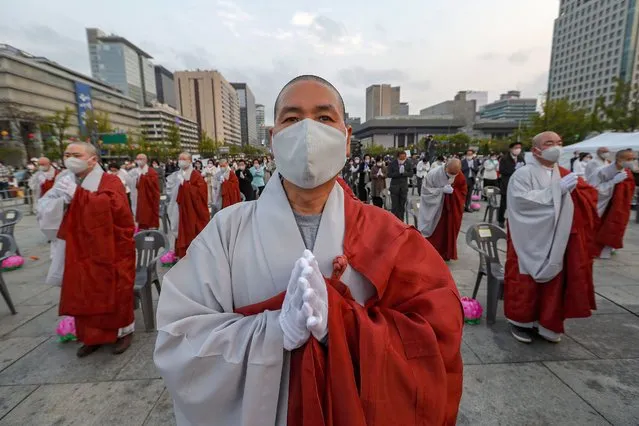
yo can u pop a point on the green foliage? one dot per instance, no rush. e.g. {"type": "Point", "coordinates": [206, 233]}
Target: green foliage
{"type": "Point", "coordinates": [173, 138]}
{"type": "Point", "coordinates": [97, 123]}
{"type": "Point", "coordinates": [375, 150]}
{"type": "Point", "coordinates": [56, 126]}
{"type": "Point", "coordinates": [11, 154]}
{"type": "Point", "coordinates": [249, 151]}
{"type": "Point", "coordinates": [569, 121]}
{"type": "Point", "coordinates": [207, 147]}
{"type": "Point", "coordinates": [622, 113]}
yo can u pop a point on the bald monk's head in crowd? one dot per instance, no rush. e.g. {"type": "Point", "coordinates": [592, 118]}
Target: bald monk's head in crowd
{"type": "Point", "coordinates": [44, 164]}
{"type": "Point", "coordinates": [453, 167]}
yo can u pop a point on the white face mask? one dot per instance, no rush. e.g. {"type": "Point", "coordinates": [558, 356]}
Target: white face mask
{"type": "Point", "coordinates": [140, 163]}
{"type": "Point", "coordinates": [184, 164]}
{"type": "Point", "coordinates": [551, 154]}
{"type": "Point", "coordinates": [309, 153]}
{"type": "Point", "coordinates": [628, 165]}
{"type": "Point", "coordinates": [43, 168]}
{"type": "Point", "coordinates": [76, 165]}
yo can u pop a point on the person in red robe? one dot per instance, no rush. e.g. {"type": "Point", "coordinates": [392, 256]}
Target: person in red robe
{"type": "Point", "coordinates": [99, 252]}
{"type": "Point", "coordinates": [191, 199]}
{"type": "Point", "coordinates": [551, 223]}
{"type": "Point", "coordinates": [356, 302]}
{"type": "Point", "coordinates": [443, 195]}
{"type": "Point", "coordinates": [228, 186]}
{"type": "Point", "coordinates": [42, 181]}
{"type": "Point", "coordinates": [616, 186]}
{"type": "Point", "coordinates": [147, 210]}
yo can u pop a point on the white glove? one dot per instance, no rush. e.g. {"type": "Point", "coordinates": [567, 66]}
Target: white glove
{"type": "Point", "coordinates": [292, 318]}
{"type": "Point", "coordinates": [180, 177]}
{"type": "Point", "coordinates": [315, 296]}
{"type": "Point", "coordinates": [41, 178]}
{"type": "Point", "coordinates": [568, 183]}
{"type": "Point", "coordinates": [448, 189]}
{"type": "Point", "coordinates": [620, 177]}
{"type": "Point", "coordinates": [68, 187]}
{"type": "Point", "coordinates": [401, 169]}
{"type": "Point", "coordinates": [221, 178]}
{"type": "Point", "coordinates": [519, 165]}
{"type": "Point", "coordinates": [380, 173]}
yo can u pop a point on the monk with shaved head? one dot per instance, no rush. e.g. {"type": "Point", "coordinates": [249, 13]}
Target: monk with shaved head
{"type": "Point", "coordinates": [442, 207]}
{"type": "Point", "coordinates": [97, 258]}
{"type": "Point", "coordinates": [145, 194]}
{"type": "Point", "coordinates": [552, 215]}
{"type": "Point", "coordinates": [42, 181]}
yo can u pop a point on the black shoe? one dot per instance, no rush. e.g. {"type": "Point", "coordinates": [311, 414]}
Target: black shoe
{"type": "Point", "coordinates": [524, 335]}
{"type": "Point", "coordinates": [86, 350]}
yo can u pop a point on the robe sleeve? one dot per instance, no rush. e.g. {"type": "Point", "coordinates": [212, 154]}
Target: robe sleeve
{"type": "Point", "coordinates": [173, 211]}
{"type": "Point", "coordinates": [431, 202]}
{"type": "Point", "coordinates": [522, 193]}
{"type": "Point", "coordinates": [220, 367]}
{"type": "Point", "coordinates": [50, 212]}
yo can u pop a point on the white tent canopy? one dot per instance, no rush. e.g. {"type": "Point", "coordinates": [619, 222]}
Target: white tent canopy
{"type": "Point", "coordinates": [613, 141]}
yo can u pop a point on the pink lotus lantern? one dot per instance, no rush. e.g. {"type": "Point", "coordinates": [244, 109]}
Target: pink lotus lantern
{"type": "Point", "coordinates": [472, 310]}
{"type": "Point", "coordinates": [475, 197]}
{"type": "Point", "coordinates": [66, 330]}
{"type": "Point", "coordinates": [475, 206]}
{"type": "Point", "coordinates": [168, 258]}
{"type": "Point", "coordinates": [12, 262]}
{"type": "Point", "coordinates": [136, 230]}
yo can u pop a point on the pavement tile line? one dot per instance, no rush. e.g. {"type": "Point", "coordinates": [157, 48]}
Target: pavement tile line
{"type": "Point", "coordinates": [21, 401]}
{"type": "Point", "coordinates": [616, 304]}
{"type": "Point", "coordinates": [543, 363]}
{"type": "Point", "coordinates": [155, 404]}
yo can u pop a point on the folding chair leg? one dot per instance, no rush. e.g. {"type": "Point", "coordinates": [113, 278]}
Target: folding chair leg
{"type": "Point", "coordinates": [477, 282]}
{"type": "Point", "coordinates": [147, 308]}
{"type": "Point", "coordinates": [486, 213]}
{"type": "Point", "coordinates": [490, 215]}
{"type": "Point", "coordinates": [158, 287]}
{"type": "Point", "coordinates": [492, 300]}
{"type": "Point", "coordinates": [7, 297]}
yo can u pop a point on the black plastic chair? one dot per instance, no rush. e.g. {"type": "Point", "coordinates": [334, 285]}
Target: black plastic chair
{"type": "Point", "coordinates": [7, 248]}
{"type": "Point", "coordinates": [149, 246]}
{"type": "Point", "coordinates": [483, 238]}
{"type": "Point", "coordinates": [9, 219]}
{"type": "Point", "coordinates": [491, 193]}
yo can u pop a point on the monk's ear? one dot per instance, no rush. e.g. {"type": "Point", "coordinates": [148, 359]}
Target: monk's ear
{"type": "Point", "coordinates": [349, 134]}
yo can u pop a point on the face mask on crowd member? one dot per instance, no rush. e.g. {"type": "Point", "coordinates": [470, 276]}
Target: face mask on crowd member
{"type": "Point", "coordinates": [547, 147]}
{"type": "Point", "coordinates": [80, 158]}
{"type": "Point", "coordinates": [256, 164]}
{"type": "Point", "coordinates": [241, 165]}
{"type": "Point", "coordinates": [141, 160]}
{"type": "Point", "coordinates": [470, 155]}
{"type": "Point", "coordinates": [515, 150]}
{"type": "Point", "coordinates": [310, 140]}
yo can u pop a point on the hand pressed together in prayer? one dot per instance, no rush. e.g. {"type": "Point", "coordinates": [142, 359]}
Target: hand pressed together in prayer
{"type": "Point", "coordinates": [305, 307]}
{"type": "Point", "coordinates": [448, 189]}
{"type": "Point", "coordinates": [568, 183]}
{"type": "Point", "coordinates": [620, 177]}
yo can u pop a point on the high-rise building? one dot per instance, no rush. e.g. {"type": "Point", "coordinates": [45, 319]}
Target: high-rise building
{"type": "Point", "coordinates": [156, 120]}
{"type": "Point", "coordinates": [594, 42]}
{"type": "Point", "coordinates": [248, 120]}
{"type": "Point", "coordinates": [382, 100]}
{"type": "Point", "coordinates": [480, 97]}
{"type": "Point", "coordinates": [511, 107]}
{"type": "Point", "coordinates": [165, 86]}
{"type": "Point", "coordinates": [262, 135]}
{"type": "Point", "coordinates": [123, 65]}
{"type": "Point", "coordinates": [208, 99]}
{"type": "Point", "coordinates": [403, 108]}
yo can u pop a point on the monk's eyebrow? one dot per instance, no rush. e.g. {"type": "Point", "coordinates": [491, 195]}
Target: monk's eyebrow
{"type": "Point", "coordinates": [289, 109]}
{"type": "Point", "coordinates": [325, 108]}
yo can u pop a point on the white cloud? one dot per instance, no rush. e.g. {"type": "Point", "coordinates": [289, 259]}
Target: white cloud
{"type": "Point", "coordinates": [303, 19]}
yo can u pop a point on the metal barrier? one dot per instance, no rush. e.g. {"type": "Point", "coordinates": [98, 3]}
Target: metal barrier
{"type": "Point", "coordinates": [17, 198]}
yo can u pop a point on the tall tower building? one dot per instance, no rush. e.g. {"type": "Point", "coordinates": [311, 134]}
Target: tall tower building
{"type": "Point", "coordinates": [123, 65]}
{"type": "Point", "coordinates": [382, 100]}
{"type": "Point", "coordinates": [208, 99]}
{"type": "Point", "coordinates": [165, 86]}
{"type": "Point", "coordinates": [262, 137]}
{"type": "Point", "coordinates": [593, 42]}
{"type": "Point", "coordinates": [248, 121]}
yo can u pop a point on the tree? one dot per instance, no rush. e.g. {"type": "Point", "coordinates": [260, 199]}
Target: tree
{"type": "Point", "coordinates": [569, 121]}
{"type": "Point", "coordinates": [207, 147]}
{"type": "Point", "coordinates": [56, 127]}
{"type": "Point", "coordinates": [96, 122]}
{"type": "Point", "coordinates": [173, 139]}
{"type": "Point", "coordinates": [622, 112]}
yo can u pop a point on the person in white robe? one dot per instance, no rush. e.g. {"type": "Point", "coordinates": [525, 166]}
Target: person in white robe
{"type": "Point", "coordinates": [437, 183]}
{"type": "Point", "coordinates": [222, 174]}
{"type": "Point", "coordinates": [126, 178]}
{"type": "Point", "coordinates": [46, 172]}
{"type": "Point", "coordinates": [602, 158]}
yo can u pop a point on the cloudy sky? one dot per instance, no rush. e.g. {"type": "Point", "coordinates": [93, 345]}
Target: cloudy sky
{"type": "Point", "coordinates": [431, 48]}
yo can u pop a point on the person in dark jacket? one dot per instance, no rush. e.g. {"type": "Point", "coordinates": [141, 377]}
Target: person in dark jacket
{"type": "Point", "coordinates": [246, 178]}
{"type": "Point", "coordinates": [470, 169]}
{"type": "Point", "coordinates": [507, 166]}
{"type": "Point", "coordinates": [378, 181]}
{"type": "Point", "coordinates": [364, 173]}
{"type": "Point", "coordinates": [399, 171]}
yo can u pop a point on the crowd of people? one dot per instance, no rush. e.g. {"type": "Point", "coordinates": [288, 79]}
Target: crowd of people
{"type": "Point", "coordinates": [346, 312]}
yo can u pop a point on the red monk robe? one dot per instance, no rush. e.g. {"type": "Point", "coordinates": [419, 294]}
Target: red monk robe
{"type": "Point", "coordinates": [571, 293]}
{"type": "Point", "coordinates": [48, 184]}
{"type": "Point", "coordinates": [230, 191]}
{"type": "Point", "coordinates": [395, 361]}
{"type": "Point", "coordinates": [444, 237]}
{"type": "Point", "coordinates": [194, 212]}
{"type": "Point", "coordinates": [616, 217]}
{"type": "Point", "coordinates": [99, 266]}
{"type": "Point", "coordinates": [147, 213]}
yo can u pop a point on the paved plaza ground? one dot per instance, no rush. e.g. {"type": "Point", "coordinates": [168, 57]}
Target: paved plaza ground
{"type": "Point", "coordinates": [590, 378]}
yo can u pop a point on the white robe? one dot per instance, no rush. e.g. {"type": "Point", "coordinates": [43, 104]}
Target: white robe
{"type": "Point", "coordinates": [135, 174]}
{"type": "Point", "coordinates": [220, 367]}
{"type": "Point", "coordinates": [173, 210]}
{"type": "Point", "coordinates": [602, 181]}
{"type": "Point", "coordinates": [37, 179]}
{"type": "Point", "coordinates": [539, 220]}
{"type": "Point", "coordinates": [432, 200]}
{"type": "Point", "coordinates": [593, 166]}
{"type": "Point", "coordinates": [127, 180]}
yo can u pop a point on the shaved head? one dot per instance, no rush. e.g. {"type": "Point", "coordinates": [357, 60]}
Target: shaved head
{"type": "Point", "coordinates": [142, 157]}
{"type": "Point", "coordinates": [87, 147]}
{"type": "Point", "coordinates": [601, 151]}
{"type": "Point", "coordinates": [185, 156]}
{"type": "Point", "coordinates": [542, 138]}
{"type": "Point", "coordinates": [313, 78]}
{"type": "Point", "coordinates": [223, 162]}
{"type": "Point", "coordinates": [625, 155]}
{"type": "Point", "coordinates": [453, 166]}
{"type": "Point", "coordinates": [44, 162]}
